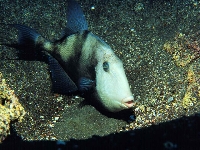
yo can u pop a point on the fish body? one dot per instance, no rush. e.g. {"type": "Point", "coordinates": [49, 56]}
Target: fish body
{"type": "Point", "coordinates": [82, 62]}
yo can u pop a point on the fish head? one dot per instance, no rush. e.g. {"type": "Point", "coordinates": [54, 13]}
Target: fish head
{"type": "Point", "coordinates": [111, 82]}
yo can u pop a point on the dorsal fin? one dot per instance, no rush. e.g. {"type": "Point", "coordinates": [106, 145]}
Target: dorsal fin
{"type": "Point", "coordinates": [76, 21]}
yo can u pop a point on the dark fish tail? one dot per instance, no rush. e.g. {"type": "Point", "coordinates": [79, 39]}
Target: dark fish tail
{"type": "Point", "coordinates": [29, 43]}
{"type": "Point", "coordinates": [27, 35]}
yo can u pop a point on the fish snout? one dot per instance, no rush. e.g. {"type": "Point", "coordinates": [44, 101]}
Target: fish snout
{"type": "Point", "coordinates": [128, 101]}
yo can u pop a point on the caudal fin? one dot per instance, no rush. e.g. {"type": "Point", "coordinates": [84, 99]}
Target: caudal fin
{"type": "Point", "coordinates": [27, 42]}
{"type": "Point", "coordinates": [26, 35]}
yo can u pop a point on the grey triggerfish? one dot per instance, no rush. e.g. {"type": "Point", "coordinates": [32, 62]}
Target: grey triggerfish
{"type": "Point", "coordinates": [80, 62]}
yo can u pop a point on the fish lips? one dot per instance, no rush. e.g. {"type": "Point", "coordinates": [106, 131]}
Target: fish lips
{"type": "Point", "coordinates": [128, 102]}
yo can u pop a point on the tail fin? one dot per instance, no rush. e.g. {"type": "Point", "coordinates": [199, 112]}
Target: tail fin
{"type": "Point", "coordinates": [27, 36]}
{"type": "Point", "coordinates": [27, 42]}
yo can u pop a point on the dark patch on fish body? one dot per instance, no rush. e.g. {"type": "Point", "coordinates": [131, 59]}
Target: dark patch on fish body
{"type": "Point", "coordinates": [76, 58]}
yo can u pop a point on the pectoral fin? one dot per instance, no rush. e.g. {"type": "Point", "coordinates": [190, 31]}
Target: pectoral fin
{"type": "Point", "coordinates": [85, 84]}
{"type": "Point", "coordinates": [62, 83]}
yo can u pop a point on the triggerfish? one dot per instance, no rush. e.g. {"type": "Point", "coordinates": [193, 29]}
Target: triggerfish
{"type": "Point", "coordinates": [80, 62]}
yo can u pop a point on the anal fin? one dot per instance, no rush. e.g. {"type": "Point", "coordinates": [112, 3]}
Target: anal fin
{"type": "Point", "coordinates": [61, 82]}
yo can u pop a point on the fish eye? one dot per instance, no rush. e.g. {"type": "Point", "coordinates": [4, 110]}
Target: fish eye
{"type": "Point", "coordinates": [105, 66]}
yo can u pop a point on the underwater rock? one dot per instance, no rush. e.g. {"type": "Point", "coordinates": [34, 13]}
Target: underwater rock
{"type": "Point", "coordinates": [10, 109]}
{"type": "Point", "coordinates": [185, 51]}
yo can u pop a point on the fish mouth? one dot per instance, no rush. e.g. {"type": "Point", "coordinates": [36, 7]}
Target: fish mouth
{"type": "Point", "coordinates": [128, 102]}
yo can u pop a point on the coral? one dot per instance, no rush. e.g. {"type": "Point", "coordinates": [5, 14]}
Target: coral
{"type": "Point", "coordinates": [191, 76]}
{"type": "Point", "coordinates": [188, 100]}
{"type": "Point", "coordinates": [192, 93]}
{"type": "Point", "coordinates": [10, 108]}
{"type": "Point", "coordinates": [184, 49]}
